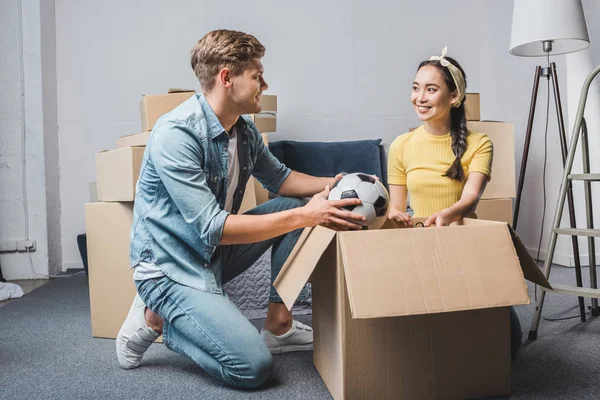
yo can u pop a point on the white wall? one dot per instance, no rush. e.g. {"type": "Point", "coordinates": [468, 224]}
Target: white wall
{"type": "Point", "coordinates": [579, 66]}
{"type": "Point", "coordinates": [341, 73]}
{"type": "Point", "coordinates": [12, 210]}
{"type": "Point", "coordinates": [509, 85]}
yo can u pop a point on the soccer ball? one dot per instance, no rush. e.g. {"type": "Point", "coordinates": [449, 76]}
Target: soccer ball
{"type": "Point", "coordinates": [374, 196]}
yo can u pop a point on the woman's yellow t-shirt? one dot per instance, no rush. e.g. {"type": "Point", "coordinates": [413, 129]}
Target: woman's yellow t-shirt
{"type": "Point", "coordinates": [418, 160]}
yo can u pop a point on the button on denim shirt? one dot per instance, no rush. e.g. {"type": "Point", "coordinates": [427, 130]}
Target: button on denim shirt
{"type": "Point", "coordinates": [178, 215]}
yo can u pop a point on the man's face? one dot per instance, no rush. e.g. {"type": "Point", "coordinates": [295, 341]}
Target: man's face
{"type": "Point", "coordinates": [247, 88]}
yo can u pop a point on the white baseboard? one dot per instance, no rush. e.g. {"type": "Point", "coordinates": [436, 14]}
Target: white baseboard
{"type": "Point", "coordinates": [72, 265]}
{"type": "Point", "coordinates": [566, 260]}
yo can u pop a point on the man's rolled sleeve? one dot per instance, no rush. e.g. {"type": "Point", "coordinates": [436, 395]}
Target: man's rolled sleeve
{"type": "Point", "coordinates": [269, 171]}
{"type": "Point", "coordinates": [177, 157]}
{"type": "Point", "coordinates": [214, 231]}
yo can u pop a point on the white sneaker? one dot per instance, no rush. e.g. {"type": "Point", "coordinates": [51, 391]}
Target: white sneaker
{"type": "Point", "coordinates": [135, 336]}
{"type": "Point", "coordinates": [298, 338]}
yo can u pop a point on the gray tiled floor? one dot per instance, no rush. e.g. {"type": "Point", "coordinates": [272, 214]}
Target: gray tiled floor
{"type": "Point", "coordinates": [28, 285]}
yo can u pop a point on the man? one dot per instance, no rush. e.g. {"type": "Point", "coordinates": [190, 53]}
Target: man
{"type": "Point", "coordinates": [187, 239]}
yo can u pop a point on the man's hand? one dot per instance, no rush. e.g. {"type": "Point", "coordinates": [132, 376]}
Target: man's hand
{"type": "Point", "coordinates": [337, 178]}
{"type": "Point", "coordinates": [401, 217]}
{"type": "Point", "coordinates": [442, 218]}
{"type": "Point", "coordinates": [320, 211]}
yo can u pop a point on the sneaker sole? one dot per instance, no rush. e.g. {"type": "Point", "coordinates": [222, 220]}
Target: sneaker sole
{"type": "Point", "coordinates": [291, 348]}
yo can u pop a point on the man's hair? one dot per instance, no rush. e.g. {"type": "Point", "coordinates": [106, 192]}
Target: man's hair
{"type": "Point", "coordinates": [223, 49]}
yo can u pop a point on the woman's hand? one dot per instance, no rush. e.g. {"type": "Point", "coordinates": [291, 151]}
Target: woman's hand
{"type": "Point", "coordinates": [442, 218]}
{"type": "Point", "coordinates": [401, 217]}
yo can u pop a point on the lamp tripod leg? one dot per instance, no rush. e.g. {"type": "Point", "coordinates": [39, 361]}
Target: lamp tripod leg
{"type": "Point", "coordinates": [536, 84]}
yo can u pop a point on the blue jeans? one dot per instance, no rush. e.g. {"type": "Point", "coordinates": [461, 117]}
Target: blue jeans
{"type": "Point", "coordinates": [208, 327]}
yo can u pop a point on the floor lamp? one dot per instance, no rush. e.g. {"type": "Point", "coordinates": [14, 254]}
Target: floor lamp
{"type": "Point", "coordinates": [541, 28]}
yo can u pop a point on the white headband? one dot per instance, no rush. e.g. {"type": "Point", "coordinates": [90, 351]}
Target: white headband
{"type": "Point", "coordinates": [457, 76]}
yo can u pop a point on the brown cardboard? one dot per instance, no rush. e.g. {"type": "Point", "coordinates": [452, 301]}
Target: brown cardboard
{"type": "Point", "coordinates": [249, 199]}
{"type": "Point", "coordinates": [138, 139]}
{"type": "Point", "coordinates": [412, 313]}
{"type": "Point", "coordinates": [441, 270]}
{"type": "Point", "coordinates": [473, 107]}
{"type": "Point", "coordinates": [255, 194]}
{"type": "Point", "coordinates": [152, 107]}
{"type": "Point", "coordinates": [502, 135]}
{"type": "Point", "coordinates": [268, 103]}
{"type": "Point", "coordinates": [495, 210]}
{"type": "Point", "coordinates": [266, 120]}
{"type": "Point", "coordinates": [117, 172]}
{"type": "Point", "coordinates": [111, 286]}
{"type": "Point", "coordinates": [265, 138]}
{"type": "Point", "coordinates": [262, 194]}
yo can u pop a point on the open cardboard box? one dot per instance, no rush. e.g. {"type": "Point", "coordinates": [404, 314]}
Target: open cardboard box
{"type": "Point", "coordinates": [415, 312]}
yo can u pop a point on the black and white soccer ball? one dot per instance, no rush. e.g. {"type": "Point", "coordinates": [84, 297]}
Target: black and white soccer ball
{"type": "Point", "coordinates": [373, 194]}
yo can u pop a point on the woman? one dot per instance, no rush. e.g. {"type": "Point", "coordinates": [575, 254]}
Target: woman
{"type": "Point", "coordinates": [442, 165]}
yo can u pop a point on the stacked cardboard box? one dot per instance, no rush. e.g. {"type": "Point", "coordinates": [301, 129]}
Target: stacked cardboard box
{"type": "Point", "coordinates": [496, 202]}
{"type": "Point", "coordinates": [266, 122]}
{"type": "Point", "coordinates": [153, 106]}
{"type": "Point", "coordinates": [497, 199]}
{"type": "Point", "coordinates": [108, 228]}
{"type": "Point", "coordinates": [108, 225]}
{"type": "Point", "coordinates": [109, 215]}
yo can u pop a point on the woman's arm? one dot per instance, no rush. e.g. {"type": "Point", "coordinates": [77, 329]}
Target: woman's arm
{"type": "Point", "coordinates": [469, 199]}
{"type": "Point", "coordinates": [398, 194]}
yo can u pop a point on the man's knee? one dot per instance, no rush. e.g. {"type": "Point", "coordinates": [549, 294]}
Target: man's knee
{"type": "Point", "coordinates": [252, 373]}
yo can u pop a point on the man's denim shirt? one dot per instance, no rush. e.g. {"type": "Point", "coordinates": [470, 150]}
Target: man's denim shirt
{"type": "Point", "coordinates": [178, 215]}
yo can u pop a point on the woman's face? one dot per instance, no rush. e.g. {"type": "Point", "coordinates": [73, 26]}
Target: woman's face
{"type": "Point", "coordinates": [431, 96]}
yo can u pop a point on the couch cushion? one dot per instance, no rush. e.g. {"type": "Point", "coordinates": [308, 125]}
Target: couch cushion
{"type": "Point", "coordinates": [330, 158]}
{"type": "Point", "coordinates": [276, 149]}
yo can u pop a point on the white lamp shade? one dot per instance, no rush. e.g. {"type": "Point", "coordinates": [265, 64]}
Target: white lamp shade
{"type": "Point", "coordinates": [559, 21]}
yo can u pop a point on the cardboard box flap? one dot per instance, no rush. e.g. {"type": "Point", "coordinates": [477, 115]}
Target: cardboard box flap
{"type": "Point", "coordinates": [178, 90]}
{"type": "Point", "coordinates": [532, 272]}
{"type": "Point", "coordinates": [301, 263]}
{"type": "Point", "coordinates": [263, 115]}
{"type": "Point", "coordinates": [399, 272]}
{"type": "Point", "coordinates": [137, 139]}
